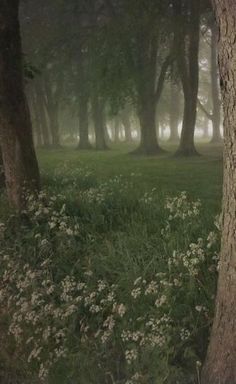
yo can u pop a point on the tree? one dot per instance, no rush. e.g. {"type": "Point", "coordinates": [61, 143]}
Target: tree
{"type": "Point", "coordinates": [98, 112]}
{"type": "Point", "coordinates": [220, 365]}
{"type": "Point", "coordinates": [174, 107]}
{"type": "Point", "coordinates": [209, 101]}
{"type": "Point", "coordinates": [18, 154]}
{"type": "Point", "coordinates": [187, 42]}
{"type": "Point", "coordinates": [216, 102]}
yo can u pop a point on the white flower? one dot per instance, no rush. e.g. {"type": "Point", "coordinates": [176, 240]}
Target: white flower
{"type": "Point", "coordinates": [121, 310]}
{"type": "Point", "coordinates": [136, 293]}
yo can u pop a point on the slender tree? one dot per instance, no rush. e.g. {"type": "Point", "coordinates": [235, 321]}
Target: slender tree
{"type": "Point", "coordinates": [98, 112]}
{"type": "Point", "coordinates": [175, 109]}
{"type": "Point", "coordinates": [216, 102]}
{"type": "Point", "coordinates": [187, 41]}
{"type": "Point", "coordinates": [18, 154]}
{"type": "Point", "coordinates": [220, 365]}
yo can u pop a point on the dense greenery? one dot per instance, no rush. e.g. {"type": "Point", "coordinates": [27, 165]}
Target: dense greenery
{"type": "Point", "coordinates": [105, 279]}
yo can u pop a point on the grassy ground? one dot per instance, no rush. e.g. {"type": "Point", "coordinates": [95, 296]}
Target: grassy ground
{"type": "Point", "coordinates": [112, 220]}
{"type": "Point", "coordinates": [200, 176]}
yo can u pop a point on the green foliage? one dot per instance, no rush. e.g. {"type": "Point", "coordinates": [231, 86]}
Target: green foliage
{"type": "Point", "coordinates": [105, 282]}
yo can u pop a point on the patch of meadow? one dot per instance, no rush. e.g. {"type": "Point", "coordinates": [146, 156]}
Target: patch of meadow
{"type": "Point", "coordinates": [102, 283]}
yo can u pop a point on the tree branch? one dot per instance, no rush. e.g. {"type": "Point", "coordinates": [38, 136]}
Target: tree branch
{"type": "Point", "coordinates": [203, 109]}
{"type": "Point", "coordinates": [168, 61]}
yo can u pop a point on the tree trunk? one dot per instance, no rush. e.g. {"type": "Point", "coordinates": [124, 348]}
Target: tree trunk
{"type": "Point", "coordinates": [19, 159]}
{"type": "Point", "coordinates": [2, 177]}
{"type": "Point", "coordinates": [205, 127]}
{"type": "Point", "coordinates": [174, 112]}
{"type": "Point", "coordinates": [40, 100]}
{"type": "Point", "coordinates": [83, 124]}
{"type": "Point", "coordinates": [187, 58]}
{"type": "Point", "coordinates": [216, 137]}
{"type": "Point", "coordinates": [127, 125]}
{"type": "Point", "coordinates": [51, 104]}
{"type": "Point", "coordinates": [83, 97]}
{"type": "Point", "coordinates": [220, 365]}
{"type": "Point", "coordinates": [116, 129]}
{"type": "Point", "coordinates": [186, 146]}
{"type": "Point", "coordinates": [33, 107]}
{"type": "Point", "coordinates": [99, 123]}
{"type": "Point", "coordinates": [149, 88]}
{"type": "Point", "coordinates": [147, 118]}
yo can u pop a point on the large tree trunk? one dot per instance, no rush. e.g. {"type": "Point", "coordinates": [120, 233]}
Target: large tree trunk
{"type": "Point", "coordinates": [19, 159]}
{"type": "Point", "coordinates": [187, 58]}
{"type": "Point", "coordinates": [149, 88]}
{"type": "Point", "coordinates": [220, 365]}
{"type": "Point", "coordinates": [2, 177]}
{"type": "Point", "coordinates": [147, 118]}
{"type": "Point", "coordinates": [99, 123]}
{"type": "Point", "coordinates": [216, 137]}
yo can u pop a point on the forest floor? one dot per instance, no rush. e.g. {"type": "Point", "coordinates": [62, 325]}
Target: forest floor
{"type": "Point", "coordinates": [125, 264]}
{"type": "Point", "coordinates": [200, 176]}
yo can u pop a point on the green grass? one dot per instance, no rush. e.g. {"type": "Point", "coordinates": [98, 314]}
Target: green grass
{"type": "Point", "coordinates": [120, 238]}
{"type": "Point", "coordinates": [200, 176]}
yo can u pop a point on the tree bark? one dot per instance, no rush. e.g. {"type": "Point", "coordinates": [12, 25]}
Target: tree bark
{"type": "Point", "coordinates": [187, 58]}
{"type": "Point", "coordinates": [19, 158]}
{"type": "Point", "coordinates": [220, 364]}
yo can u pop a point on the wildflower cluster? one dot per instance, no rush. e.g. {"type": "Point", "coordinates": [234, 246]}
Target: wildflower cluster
{"type": "Point", "coordinates": [106, 191]}
{"type": "Point", "coordinates": [54, 310]}
{"type": "Point", "coordinates": [50, 212]}
{"type": "Point", "coordinates": [180, 207]}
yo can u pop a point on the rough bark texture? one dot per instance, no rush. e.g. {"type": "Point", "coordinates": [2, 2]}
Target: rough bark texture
{"type": "Point", "coordinates": [187, 58]}
{"type": "Point", "coordinates": [216, 137]}
{"type": "Point", "coordinates": [220, 365]}
{"type": "Point", "coordinates": [19, 159]}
